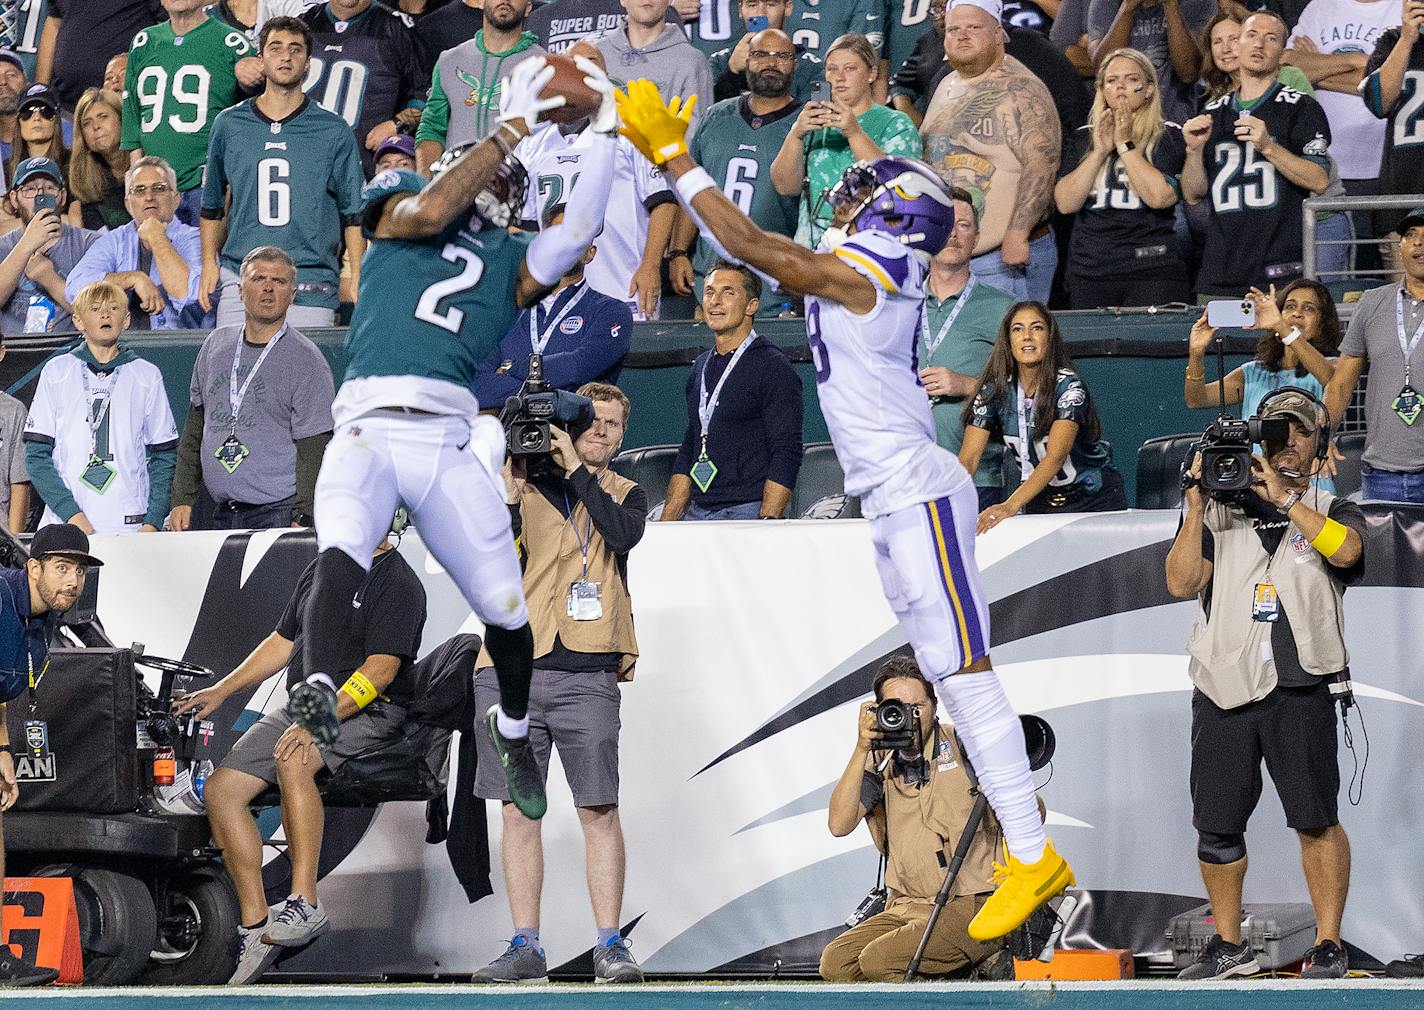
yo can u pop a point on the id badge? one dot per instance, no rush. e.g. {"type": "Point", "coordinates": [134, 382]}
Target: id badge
{"type": "Point", "coordinates": [231, 453]}
{"type": "Point", "coordinates": [703, 472]}
{"type": "Point", "coordinates": [585, 601]}
{"type": "Point", "coordinates": [37, 738]}
{"type": "Point", "coordinates": [98, 474]}
{"type": "Point", "coordinates": [1407, 405]}
{"type": "Point", "coordinates": [1265, 604]}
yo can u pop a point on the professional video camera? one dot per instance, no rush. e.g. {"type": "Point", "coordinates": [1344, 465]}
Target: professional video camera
{"type": "Point", "coordinates": [528, 414]}
{"type": "Point", "coordinates": [1226, 447]}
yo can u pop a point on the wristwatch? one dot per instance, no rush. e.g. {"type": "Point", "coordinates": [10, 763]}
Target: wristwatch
{"type": "Point", "coordinates": [1126, 146]}
{"type": "Point", "coordinates": [1292, 336]}
{"type": "Point", "coordinates": [1290, 501]}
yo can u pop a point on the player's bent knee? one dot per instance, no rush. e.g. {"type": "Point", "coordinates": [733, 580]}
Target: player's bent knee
{"type": "Point", "coordinates": [1220, 849]}
{"type": "Point", "coordinates": [502, 607]}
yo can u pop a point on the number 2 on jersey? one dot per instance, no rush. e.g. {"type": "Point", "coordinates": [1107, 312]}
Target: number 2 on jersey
{"type": "Point", "coordinates": [427, 310]}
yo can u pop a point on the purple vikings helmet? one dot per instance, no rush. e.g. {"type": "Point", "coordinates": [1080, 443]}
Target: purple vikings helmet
{"type": "Point", "coordinates": [902, 197]}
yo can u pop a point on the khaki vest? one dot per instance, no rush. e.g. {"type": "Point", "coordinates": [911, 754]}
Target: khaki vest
{"type": "Point", "coordinates": [555, 561]}
{"type": "Point", "coordinates": [922, 822]}
{"type": "Point", "coordinates": [1231, 659]}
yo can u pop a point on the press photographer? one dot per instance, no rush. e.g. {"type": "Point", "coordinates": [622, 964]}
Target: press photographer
{"type": "Point", "coordinates": [1269, 557]}
{"type": "Point", "coordinates": [575, 521]}
{"type": "Point", "coordinates": [906, 780]}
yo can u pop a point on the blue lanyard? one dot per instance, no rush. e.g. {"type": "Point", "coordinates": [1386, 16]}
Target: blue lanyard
{"type": "Point", "coordinates": [585, 538]}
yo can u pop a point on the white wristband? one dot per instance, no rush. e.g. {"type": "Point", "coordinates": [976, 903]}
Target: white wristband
{"type": "Point", "coordinates": [694, 182]}
{"type": "Point", "coordinates": [1292, 336]}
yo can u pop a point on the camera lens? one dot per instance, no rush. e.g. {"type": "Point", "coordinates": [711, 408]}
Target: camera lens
{"type": "Point", "coordinates": [892, 717]}
{"type": "Point", "coordinates": [530, 439]}
{"type": "Point", "coordinates": [1226, 468]}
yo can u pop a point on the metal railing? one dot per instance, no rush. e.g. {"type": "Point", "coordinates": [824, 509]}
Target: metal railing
{"type": "Point", "coordinates": [1405, 201]}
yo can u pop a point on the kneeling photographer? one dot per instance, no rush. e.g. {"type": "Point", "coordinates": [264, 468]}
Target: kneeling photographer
{"type": "Point", "coordinates": [1269, 558]}
{"type": "Point", "coordinates": [575, 521]}
{"type": "Point", "coordinates": [911, 789]}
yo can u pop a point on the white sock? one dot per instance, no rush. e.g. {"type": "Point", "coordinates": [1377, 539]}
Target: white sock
{"type": "Point", "coordinates": [511, 729]}
{"type": "Point", "coordinates": [994, 741]}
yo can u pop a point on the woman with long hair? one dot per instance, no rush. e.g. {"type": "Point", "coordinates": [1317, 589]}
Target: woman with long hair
{"type": "Point", "coordinates": [1124, 193]}
{"type": "Point", "coordinates": [40, 135]}
{"type": "Point", "coordinates": [1220, 61]}
{"type": "Point", "coordinates": [1032, 398]}
{"type": "Point", "coordinates": [96, 165]}
{"type": "Point", "coordinates": [829, 136]}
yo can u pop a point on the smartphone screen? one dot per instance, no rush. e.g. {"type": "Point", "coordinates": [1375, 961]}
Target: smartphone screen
{"type": "Point", "coordinates": [757, 23]}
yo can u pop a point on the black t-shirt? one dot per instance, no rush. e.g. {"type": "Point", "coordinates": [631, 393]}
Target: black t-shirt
{"type": "Point", "coordinates": [1402, 167]}
{"type": "Point", "coordinates": [452, 25]}
{"type": "Point", "coordinates": [91, 32]}
{"type": "Point", "coordinates": [1271, 526]}
{"type": "Point", "coordinates": [1115, 234]}
{"type": "Point", "coordinates": [1255, 236]}
{"type": "Point", "coordinates": [388, 622]}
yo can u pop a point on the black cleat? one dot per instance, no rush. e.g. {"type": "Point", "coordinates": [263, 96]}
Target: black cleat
{"type": "Point", "coordinates": [521, 770]}
{"type": "Point", "coordinates": [312, 706]}
{"type": "Point", "coordinates": [17, 972]}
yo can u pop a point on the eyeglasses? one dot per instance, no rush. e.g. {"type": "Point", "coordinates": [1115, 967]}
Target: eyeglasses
{"type": "Point", "coordinates": [762, 54]}
{"type": "Point", "coordinates": [28, 112]}
{"type": "Point", "coordinates": [157, 189]}
{"type": "Point", "coordinates": [36, 189]}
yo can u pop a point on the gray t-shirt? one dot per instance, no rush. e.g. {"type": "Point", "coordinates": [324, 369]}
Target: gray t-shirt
{"type": "Point", "coordinates": [288, 399]}
{"type": "Point", "coordinates": [1390, 444]}
{"type": "Point", "coordinates": [73, 243]}
{"type": "Point", "coordinates": [12, 451]}
{"type": "Point", "coordinates": [1149, 36]}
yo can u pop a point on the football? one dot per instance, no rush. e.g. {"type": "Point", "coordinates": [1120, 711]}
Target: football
{"type": "Point", "coordinates": [581, 101]}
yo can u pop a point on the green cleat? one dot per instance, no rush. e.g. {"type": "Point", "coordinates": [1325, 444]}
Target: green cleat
{"type": "Point", "coordinates": [521, 770]}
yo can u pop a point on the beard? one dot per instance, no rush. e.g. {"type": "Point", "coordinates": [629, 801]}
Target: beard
{"type": "Point", "coordinates": [9, 102]}
{"type": "Point", "coordinates": [504, 24]}
{"type": "Point", "coordinates": [769, 84]}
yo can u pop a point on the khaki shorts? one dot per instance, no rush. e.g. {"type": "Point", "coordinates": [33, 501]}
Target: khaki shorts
{"type": "Point", "coordinates": [376, 724]}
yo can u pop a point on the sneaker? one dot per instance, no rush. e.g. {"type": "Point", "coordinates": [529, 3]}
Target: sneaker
{"type": "Point", "coordinates": [297, 924]}
{"type": "Point", "coordinates": [254, 956]}
{"type": "Point", "coordinates": [312, 706]}
{"type": "Point", "coordinates": [614, 962]}
{"type": "Point", "coordinates": [16, 972]}
{"type": "Point", "coordinates": [1023, 888]}
{"type": "Point", "coordinates": [521, 770]}
{"type": "Point", "coordinates": [521, 962]}
{"type": "Point", "coordinates": [1220, 959]}
{"type": "Point", "coordinates": [1325, 960]}
{"type": "Point", "coordinates": [1409, 966]}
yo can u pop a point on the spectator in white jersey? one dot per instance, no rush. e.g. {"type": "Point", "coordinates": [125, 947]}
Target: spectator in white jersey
{"type": "Point", "coordinates": [100, 440]}
{"type": "Point", "coordinates": [14, 478]}
{"type": "Point", "coordinates": [648, 47]}
{"type": "Point", "coordinates": [255, 442]}
{"type": "Point", "coordinates": [35, 259]}
{"type": "Point", "coordinates": [641, 209]}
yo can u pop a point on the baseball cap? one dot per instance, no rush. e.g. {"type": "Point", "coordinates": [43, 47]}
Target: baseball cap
{"type": "Point", "coordinates": [994, 8]}
{"type": "Point", "coordinates": [402, 142]}
{"type": "Point", "coordinates": [39, 94]}
{"type": "Point", "coordinates": [12, 57]}
{"type": "Point", "coordinates": [1413, 218]}
{"type": "Point", "coordinates": [31, 167]}
{"type": "Point", "coordinates": [63, 540]}
{"type": "Point", "coordinates": [1295, 405]}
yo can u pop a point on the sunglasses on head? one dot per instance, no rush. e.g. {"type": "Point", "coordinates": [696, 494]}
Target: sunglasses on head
{"type": "Point", "coordinates": [44, 110]}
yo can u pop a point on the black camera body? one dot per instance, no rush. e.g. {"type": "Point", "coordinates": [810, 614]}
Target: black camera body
{"type": "Point", "coordinates": [529, 414]}
{"type": "Point", "coordinates": [1226, 450]}
{"type": "Point", "coordinates": [898, 725]}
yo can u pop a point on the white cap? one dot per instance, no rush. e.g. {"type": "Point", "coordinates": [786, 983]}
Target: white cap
{"type": "Point", "coordinates": [994, 8]}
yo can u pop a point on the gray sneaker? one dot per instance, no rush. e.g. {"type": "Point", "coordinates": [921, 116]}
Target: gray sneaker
{"type": "Point", "coordinates": [520, 962]}
{"type": "Point", "coordinates": [254, 956]}
{"type": "Point", "coordinates": [614, 962]}
{"type": "Point", "coordinates": [1325, 960]}
{"type": "Point", "coordinates": [1220, 959]}
{"type": "Point", "coordinates": [297, 924]}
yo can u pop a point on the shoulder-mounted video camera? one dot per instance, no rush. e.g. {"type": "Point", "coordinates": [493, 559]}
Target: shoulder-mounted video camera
{"type": "Point", "coordinates": [529, 414]}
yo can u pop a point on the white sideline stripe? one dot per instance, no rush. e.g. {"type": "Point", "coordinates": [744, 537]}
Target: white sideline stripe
{"type": "Point", "coordinates": [436, 989]}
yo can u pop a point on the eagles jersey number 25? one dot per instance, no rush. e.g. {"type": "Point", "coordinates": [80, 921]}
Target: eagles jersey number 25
{"type": "Point", "coordinates": [1242, 179]}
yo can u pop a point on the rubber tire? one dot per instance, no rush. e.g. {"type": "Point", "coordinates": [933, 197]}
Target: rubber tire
{"type": "Point", "coordinates": [120, 909]}
{"type": "Point", "coordinates": [214, 958]}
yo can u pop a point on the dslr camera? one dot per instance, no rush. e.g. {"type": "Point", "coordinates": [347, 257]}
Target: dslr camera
{"type": "Point", "coordinates": [898, 725]}
{"type": "Point", "coordinates": [528, 415]}
{"type": "Point", "coordinates": [1226, 450]}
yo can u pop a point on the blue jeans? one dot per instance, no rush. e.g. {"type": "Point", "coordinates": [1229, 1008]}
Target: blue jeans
{"type": "Point", "coordinates": [746, 510]}
{"type": "Point", "coordinates": [1331, 261]}
{"type": "Point", "coordinates": [1390, 485]}
{"type": "Point", "coordinates": [1033, 282]}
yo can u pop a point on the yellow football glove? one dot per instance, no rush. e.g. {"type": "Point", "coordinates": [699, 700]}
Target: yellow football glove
{"type": "Point", "coordinates": [658, 131]}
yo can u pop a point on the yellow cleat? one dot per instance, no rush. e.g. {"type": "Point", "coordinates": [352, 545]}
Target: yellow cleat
{"type": "Point", "coordinates": [1022, 889]}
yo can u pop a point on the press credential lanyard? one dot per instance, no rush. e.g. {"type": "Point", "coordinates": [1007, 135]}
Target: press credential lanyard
{"type": "Point", "coordinates": [585, 538]}
{"type": "Point", "coordinates": [540, 341]}
{"type": "Point", "coordinates": [239, 393]}
{"type": "Point", "coordinates": [932, 343]}
{"type": "Point", "coordinates": [707, 407]}
{"type": "Point", "coordinates": [1406, 404]}
{"type": "Point", "coordinates": [1025, 409]}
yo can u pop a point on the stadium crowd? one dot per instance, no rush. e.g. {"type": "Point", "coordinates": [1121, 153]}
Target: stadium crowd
{"type": "Point", "coordinates": [200, 167]}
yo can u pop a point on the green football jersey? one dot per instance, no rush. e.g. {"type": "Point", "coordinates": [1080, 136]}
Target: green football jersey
{"type": "Point", "coordinates": [905, 22]}
{"type": "Point", "coordinates": [174, 88]}
{"type": "Point", "coordinates": [432, 308]}
{"type": "Point", "coordinates": [717, 25]}
{"type": "Point", "coordinates": [294, 183]}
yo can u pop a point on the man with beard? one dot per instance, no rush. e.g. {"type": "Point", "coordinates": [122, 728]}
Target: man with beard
{"type": "Point", "coordinates": [992, 129]}
{"type": "Point", "coordinates": [467, 82]}
{"type": "Point", "coordinates": [729, 66]}
{"type": "Point", "coordinates": [31, 602]}
{"type": "Point", "coordinates": [737, 143]}
{"type": "Point", "coordinates": [12, 86]}
{"type": "Point", "coordinates": [295, 180]}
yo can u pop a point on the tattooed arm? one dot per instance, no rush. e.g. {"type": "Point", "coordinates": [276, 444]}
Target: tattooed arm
{"type": "Point", "coordinates": [1035, 136]}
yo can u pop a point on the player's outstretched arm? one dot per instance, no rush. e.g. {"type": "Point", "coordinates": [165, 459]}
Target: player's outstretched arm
{"type": "Point", "coordinates": [658, 131]}
{"type": "Point", "coordinates": [556, 249]}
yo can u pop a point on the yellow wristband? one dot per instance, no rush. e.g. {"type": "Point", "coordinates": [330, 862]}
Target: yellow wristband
{"type": "Point", "coordinates": [1330, 539]}
{"type": "Point", "coordinates": [360, 690]}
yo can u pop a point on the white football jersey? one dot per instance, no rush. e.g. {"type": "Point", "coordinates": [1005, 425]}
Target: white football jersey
{"type": "Point", "coordinates": [138, 417]}
{"type": "Point", "coordinates": [868, 382]}
{"type": "Point", "coordinates": [553, 163]}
